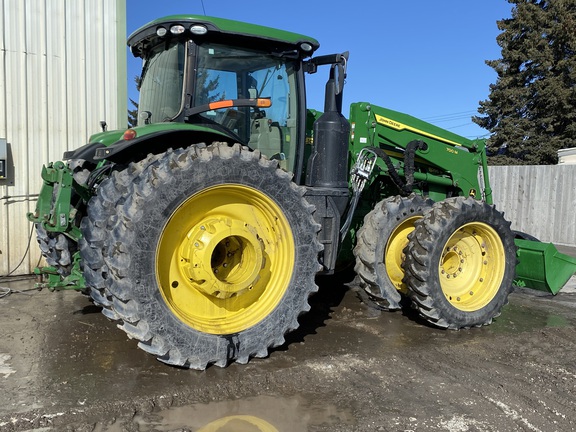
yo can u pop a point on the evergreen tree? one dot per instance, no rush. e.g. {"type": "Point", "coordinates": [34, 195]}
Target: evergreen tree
{"type": "Point", "coordinates": [531, 109]}
{"type": "Point", "coordinates": [133, 113]}
{"type": "Point", "coordinates": [206, 88]}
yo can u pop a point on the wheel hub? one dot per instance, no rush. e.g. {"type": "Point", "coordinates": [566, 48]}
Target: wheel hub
{"type": "Point", "coordinates": [471, 266]}
{"type": "Point", "coordinates": [224, 256]}
{"type": "Point", "coordinates": [452, 262]}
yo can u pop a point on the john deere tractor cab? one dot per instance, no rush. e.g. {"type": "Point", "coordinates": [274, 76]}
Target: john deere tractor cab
{"type": "Point", "coordinates": [243, 84]}
{"type": "Point", "coordinates": [202, 229]}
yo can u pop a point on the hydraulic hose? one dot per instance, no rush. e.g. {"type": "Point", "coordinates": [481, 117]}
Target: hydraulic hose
{"type": "Point", "coordinates": [409, 163]}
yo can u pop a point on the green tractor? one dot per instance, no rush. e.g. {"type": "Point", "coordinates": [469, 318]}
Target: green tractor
{"type": "Point", "coordinates": [202, 229]}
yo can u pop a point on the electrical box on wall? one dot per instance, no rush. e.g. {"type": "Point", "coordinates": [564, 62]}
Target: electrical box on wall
{"type": "Point", "coordinates": [3, 159]}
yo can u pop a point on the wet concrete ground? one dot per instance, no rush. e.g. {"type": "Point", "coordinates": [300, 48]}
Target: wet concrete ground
{"type": "Point", "coordinates": [65, 367]}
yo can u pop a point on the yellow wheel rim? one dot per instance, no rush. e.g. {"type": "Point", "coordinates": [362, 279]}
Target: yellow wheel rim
{"type": "Point", "coordinates": [394, 254]}
{"type": "Point", "coordinates": [239, 422]}
{"type": "Point", "coordinates": [225, 259]}
{"type": "Point", "coordinates": [472, 266]}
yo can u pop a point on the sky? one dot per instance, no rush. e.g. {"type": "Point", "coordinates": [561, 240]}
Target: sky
{"type": "Point", "coordinates": [420, 57]}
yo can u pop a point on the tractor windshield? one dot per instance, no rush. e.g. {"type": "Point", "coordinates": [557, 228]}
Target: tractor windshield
{"type": "Point", "coordinates": [225, 72]}
{"type": "Point", "coordinates": [161, 84]}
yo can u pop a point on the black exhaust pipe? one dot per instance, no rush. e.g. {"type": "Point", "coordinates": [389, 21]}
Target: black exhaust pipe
{"type": "Point", "coordinates": [328, 164]}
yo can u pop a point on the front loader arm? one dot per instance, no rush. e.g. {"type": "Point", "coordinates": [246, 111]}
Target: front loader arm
{"type": "Point", "coordinates": [424, 156]}
{"type": "Point", "coordinates": [415, 155]}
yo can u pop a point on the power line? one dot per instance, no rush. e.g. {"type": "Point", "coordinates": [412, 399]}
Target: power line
{"type": "Point", "coordinates": [452, 114]}
{"type": "Point", "coordinates": [450, 117]}
{"type": "Point", "coordinates": [459, 126]}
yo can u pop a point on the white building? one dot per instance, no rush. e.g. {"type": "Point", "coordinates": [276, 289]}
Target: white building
{"type": "Point", "coordinates": [62, 71]}
{"type": "Point", "coordinates": [567, 156]}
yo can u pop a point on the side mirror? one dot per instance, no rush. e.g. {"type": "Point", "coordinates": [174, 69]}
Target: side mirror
{"type": "Point", "coordinates": [340, 72]}
{"type": "Point", "coordinates": [339, 76]}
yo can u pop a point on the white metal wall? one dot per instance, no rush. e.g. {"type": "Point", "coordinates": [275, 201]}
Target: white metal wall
{"type": "Point", "coordinates": [62, 71]}
{"type": "Point", "coordinates": [539, 200]}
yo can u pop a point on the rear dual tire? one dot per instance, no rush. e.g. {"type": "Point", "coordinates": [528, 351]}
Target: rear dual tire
{"type": "Point", "coordinates": [206, 255]}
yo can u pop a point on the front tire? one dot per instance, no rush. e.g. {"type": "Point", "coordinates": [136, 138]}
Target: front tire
{"type": "Point", "coordinates": [210, 254]}
{"type": "Point", "coordinates": [460, 263]}
{"type": "Point", "coordinates": [380, 247]}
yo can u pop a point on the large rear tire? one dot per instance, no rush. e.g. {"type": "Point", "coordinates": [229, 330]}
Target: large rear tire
{"type": "Point", "coordinates": [206, 255]}
{"type": "Point", "coordinates": [460, 263]}
{"type": "Point", "coordinates": [380, 247]}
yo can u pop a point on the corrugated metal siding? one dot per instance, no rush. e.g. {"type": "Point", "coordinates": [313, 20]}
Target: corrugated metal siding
{"type": "Point", "coordinates": [539, 200]}
{"type": "Point", "coordinates": [62, 71]}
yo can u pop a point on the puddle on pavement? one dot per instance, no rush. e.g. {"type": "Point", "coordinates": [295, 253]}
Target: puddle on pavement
{"type": "Point", "coordinates": [258, 414]}
{"type": "Point", "coordinates": [517, 317]}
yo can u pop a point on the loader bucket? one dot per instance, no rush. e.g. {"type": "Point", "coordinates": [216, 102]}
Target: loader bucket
{"type": "Point", "coordinates": [542, 267]}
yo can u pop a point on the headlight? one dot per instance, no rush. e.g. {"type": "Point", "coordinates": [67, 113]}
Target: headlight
{"type": "Point", "coordinates": [177, 29]}
{"type": "Point", "coordinates": [198, 29]}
